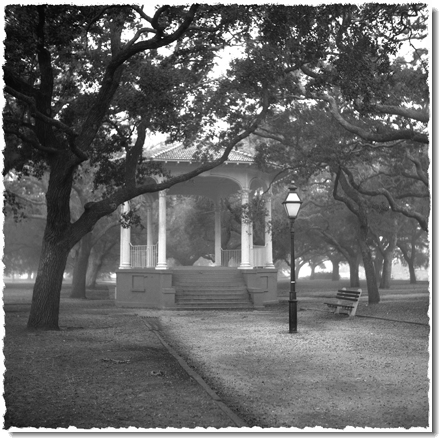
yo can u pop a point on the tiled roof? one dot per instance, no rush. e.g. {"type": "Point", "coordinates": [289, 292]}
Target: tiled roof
{"type": "Point", "coordinates": [181, 154]}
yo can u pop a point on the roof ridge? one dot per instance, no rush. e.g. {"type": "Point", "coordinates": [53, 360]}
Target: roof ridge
{"type": "Point", "coordinates": [172, 153]}
{"type": "Point", "coordinates": [164, 151]}
{"type": "Point", "coordinates": [245, 153]}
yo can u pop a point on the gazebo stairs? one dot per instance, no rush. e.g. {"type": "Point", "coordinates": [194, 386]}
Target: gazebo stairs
{"type": "Point", "coordinates": [211, 288]}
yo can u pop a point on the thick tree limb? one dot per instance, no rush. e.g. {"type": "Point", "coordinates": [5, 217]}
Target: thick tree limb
{"type": "Point", "coordinates": [410, 113]}
{"type": "Point", "coordinates": [37, 114]}
{"type": "Point", "coordinates": [419, 170]}
{"type": "Point", "coordinates": [18, 84]}
{"type": "Point", "coordinates": [422, 220]}
{"type": "Point", "coordinates": [134, 154]}
{"type": "Point", "coordinates": [388, 136]}
{"type": "Point", "coordinates": [354, 207]}
{"type": "Point", "coordinates": [32, 141]}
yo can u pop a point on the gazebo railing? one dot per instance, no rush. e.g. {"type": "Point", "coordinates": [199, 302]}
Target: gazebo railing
{"type": "Point", "coordinates": [144, 256]}
{"type": "Point", "coordinates": [230, 258]}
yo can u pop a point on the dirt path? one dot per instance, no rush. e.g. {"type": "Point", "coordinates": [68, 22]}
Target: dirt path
{"type": "Point", "coordinates": [335, 373]}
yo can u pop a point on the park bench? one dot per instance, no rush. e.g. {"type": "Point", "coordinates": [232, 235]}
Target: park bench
{"type": "Point", "coordinates": [347, 301]}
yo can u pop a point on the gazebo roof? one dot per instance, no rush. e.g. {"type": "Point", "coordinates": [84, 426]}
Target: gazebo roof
{"type": "Point", "coordinates": [179, 153]}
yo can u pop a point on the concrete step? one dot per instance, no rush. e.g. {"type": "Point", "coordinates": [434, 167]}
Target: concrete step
{"type": "Point", "coordinates": [215, 305]}
{"type": "Point", "coordinates": [209, 295]}
{"type": "Point", "coordinates": [198, 298]}
{"type": "Point", "coordinates": [210, 289]}
{"type": "Point", "coordinates": [215, 289]}
{"type": "Point", "coordinates": [207, 279]}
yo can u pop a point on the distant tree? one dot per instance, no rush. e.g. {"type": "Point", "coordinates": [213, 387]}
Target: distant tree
{"type": "Point", "coordinates": [334, 225]}
{"type": "Point", "coordinates": [413, 247]}
{"type": "Point", "coordinates": [104, 258]}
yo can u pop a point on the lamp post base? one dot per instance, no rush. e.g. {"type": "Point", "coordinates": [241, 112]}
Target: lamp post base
{"type": "Point", "coordinates": [292, 304]}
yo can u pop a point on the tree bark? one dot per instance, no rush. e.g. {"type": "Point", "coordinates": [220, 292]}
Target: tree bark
{"type": "Point", "coordinates": [44, 311]}
{"type": "Point", "coordinates": [80, 271]}
{"type": "Point", "coordinates": [93, 270]}
{"type": "Point", "coordinates": [354, 275]}
{"type": "Point", "coordinates": [335, 271]}
{"type": "Point", "coordinates": [312, 276]}
{"type": "Point", "coordinates": [388, 257]}
{"type": "Point", "coordinates": [412, 273]}
{"type": "Point", "coordinates": [410, 259]}
{"type": "Point", "coordinates": [372, 286]}
{"type": "Point", "coordinates": [378, 264]}
{"type": "Point", "coordinates": [387, 272]}
{"type": "Point", "coordinates": [97, 261]}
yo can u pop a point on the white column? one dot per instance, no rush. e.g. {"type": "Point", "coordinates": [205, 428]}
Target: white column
{"type": "Point", "coordinates": [245, 233]}
{"type": "Point", "coordinates": [268, 234]}
{"type": "Point", "coordinates": [149, 239]}
{"type": "Point", "coordinates": [218, 234]}
{"type": "Point", "coordinates": [125, 241]}
{"type": "Point", "coordinates": [161, 263]}
{"type": "Point", "coordinates": [251, 243]}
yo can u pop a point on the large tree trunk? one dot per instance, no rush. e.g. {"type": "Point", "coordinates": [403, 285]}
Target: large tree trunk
{"type": "Point", "coordinates": [371, 281]}
{"type": "Point", "coordinates": [386, 273]}
{"type": "Point", "coordinates": [388, 257]}
{"type": "Point", "coordinates": [95, 265]}
{"type": "Point", "coordinates": [335, 269]}
{"type": "Point", "coordinates": [354, 276]}
{"type": "Point", "coordinates": [312, 276]}
{"type": "Point", "coordinates": [97, 261]}
{"type": "Point", "coordinates": [412, 273]}
{"type": "Point", "coordinates": [47, 289]}
{"type": "Point", "coordinates": [80, 271]}
{"type": "Point", "coordinates": [44, 312]}
{"type": "Point", "coordinates": [378, 264]}
{"type": "Point", "coordinates": [410, 261]}
{"type": "Point", "coordinates": [354, 273]}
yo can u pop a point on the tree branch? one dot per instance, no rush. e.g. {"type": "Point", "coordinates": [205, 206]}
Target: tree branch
{"type": "Point", "coordinates": [35, 113]}
{"type": "Point", "coordinates": [410, 113]}
{"type": "Point", "coordinates": [388, 136]}
{"type": "Point", "coordinates": [32, 141]}
{"type": "Point", "coordinates": [28, 200]}
{"type": "Point", "coordinates": [422, 220]}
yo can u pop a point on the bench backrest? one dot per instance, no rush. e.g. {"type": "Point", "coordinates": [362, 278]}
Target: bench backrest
{"type": "Point", "coordinates": [351, 295]}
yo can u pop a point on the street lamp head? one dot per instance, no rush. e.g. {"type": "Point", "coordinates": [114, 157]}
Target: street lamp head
{"type": "Point", "coordinates": [292, 202]}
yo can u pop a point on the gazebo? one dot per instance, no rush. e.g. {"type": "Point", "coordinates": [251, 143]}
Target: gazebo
{"type": "Point", "coordinates": [239, 278]}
